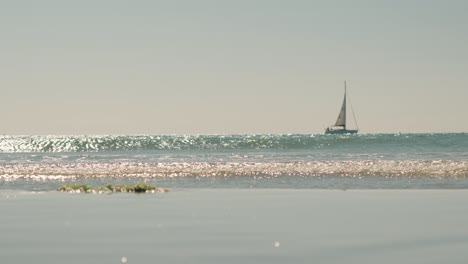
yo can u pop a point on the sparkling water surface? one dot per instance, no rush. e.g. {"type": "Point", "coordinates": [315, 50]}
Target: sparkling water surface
{"type": "Point", "coordinates": [365, 161]}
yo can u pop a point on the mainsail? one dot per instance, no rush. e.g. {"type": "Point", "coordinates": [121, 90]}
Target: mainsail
{"type": "Point", "coordinates": [341, 121]}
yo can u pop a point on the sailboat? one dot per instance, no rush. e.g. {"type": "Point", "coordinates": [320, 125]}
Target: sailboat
{"type": "Point", "coordinates": [340, 124]}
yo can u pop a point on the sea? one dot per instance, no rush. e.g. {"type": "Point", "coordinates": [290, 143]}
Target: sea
{"type": "Point", "coordinates": [292, 161]}
{"type": "Point", "coordinates": [367, 198]}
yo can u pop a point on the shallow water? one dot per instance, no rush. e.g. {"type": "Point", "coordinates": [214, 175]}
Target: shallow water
{"type": "Point", "coordinates": [236, 225]}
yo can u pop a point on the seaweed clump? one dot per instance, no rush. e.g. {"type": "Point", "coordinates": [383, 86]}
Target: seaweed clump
{"type": "Point", "coordinates": [75, 188]}
{"type": "Point", "coordinates": [138, 188]}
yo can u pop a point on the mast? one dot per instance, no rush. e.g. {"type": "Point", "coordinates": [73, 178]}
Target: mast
{"type": "Point", "coordinates": [344, 106]}
{"type": "Point", "coordinates": [352, 110]}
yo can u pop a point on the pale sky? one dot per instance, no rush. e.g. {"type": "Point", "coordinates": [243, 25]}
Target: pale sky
{"type": "Point", "coordinates": [231, 67]}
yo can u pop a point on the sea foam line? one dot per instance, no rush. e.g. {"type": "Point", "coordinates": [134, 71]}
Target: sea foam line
{"type": "Point", "coordinates": [385, 168]}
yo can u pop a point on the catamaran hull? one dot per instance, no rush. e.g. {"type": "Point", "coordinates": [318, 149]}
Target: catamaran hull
{"type": "Point", "coordinates": [340, 132]}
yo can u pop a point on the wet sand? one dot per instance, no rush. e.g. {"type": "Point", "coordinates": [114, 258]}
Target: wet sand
{"type": "Point", "coordinates": [236, 226]}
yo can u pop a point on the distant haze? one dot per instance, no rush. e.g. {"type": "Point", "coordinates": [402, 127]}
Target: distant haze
{"type": "Point", "coordinates": [231, 67]}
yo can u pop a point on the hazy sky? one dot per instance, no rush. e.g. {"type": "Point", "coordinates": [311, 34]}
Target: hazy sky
{"type": "Point", "coordinates": [205, 67]}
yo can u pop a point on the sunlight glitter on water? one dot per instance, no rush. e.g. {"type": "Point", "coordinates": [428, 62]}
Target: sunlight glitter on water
{"type": "Point", "coordinates": [383, 168]}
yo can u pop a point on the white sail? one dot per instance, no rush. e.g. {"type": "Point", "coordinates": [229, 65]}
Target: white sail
{"type": "Point", "coordinates": [341, 121]}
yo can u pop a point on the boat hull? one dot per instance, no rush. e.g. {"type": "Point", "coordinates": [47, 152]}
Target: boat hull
{"type": "Point", "coordinates": [340, 131]}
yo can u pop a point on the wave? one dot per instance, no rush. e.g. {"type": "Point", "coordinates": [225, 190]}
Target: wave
{"type": "Point", "coordinates": [63, 171]}
{"type": "Point", "coordinates": [403, 142]}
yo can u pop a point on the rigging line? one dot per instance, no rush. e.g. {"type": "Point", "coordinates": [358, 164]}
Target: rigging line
{"type": "Point", "coordinates": [352, 110]}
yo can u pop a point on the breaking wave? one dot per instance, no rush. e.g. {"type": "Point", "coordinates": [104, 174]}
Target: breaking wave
{"type": "Point", "coordinates": [383, 168]}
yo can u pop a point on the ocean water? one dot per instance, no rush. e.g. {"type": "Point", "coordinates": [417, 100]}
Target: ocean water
{"type": "Point", "coordinates": [236, 199]}
{"type": "Point", "coordinates": [367, 161]}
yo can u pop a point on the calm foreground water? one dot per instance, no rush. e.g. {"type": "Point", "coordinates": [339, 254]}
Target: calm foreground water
{"type": "Point", "coordinates": [204, 226]}
{"type": "Point", "coordinates": [400, 161]}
